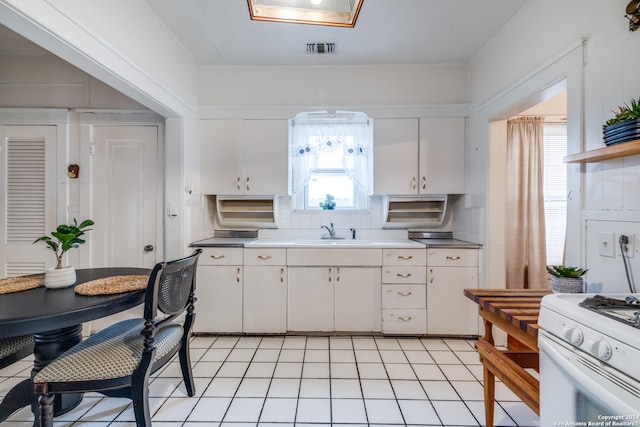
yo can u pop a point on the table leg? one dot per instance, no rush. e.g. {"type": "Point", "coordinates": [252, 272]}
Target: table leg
{"type": "Point", "coordinates": [489, 396]}
{"type": "Point", "coordinates": [48, 346]}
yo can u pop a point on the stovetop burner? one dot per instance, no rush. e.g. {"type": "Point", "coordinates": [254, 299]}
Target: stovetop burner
{"type": "Point", "coordinates": [626, 311]}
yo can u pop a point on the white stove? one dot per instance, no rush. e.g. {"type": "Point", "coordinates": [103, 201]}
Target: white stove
{"type": "Point", "coordinates": [589, 359]}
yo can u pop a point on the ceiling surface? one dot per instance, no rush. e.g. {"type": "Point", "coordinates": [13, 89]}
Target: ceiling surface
{"type": "Point", "coordinates": [220, 32]}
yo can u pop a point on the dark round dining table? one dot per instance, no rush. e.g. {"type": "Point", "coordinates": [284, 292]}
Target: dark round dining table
{"type": "Point", "coordinates": [55, 318]}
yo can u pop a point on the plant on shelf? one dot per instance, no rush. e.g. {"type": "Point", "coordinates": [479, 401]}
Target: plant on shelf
{"type": "Point", "coordinates": [625, 112]}
{"type": "Point", "coordinates": [625, 125]}
{"type": "Point", "coordinates": [329, 203]}
{"type": "Point", "coordinates": [566, 279]}
{"type": "Point", "coordinates": [64, 238]}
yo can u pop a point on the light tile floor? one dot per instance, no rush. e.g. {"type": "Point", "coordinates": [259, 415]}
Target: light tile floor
{"type": "Point", "coordinates": [283, 381]}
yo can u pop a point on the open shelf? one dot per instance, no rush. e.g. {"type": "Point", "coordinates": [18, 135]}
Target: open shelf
{"type": "Point", "coordinates": [622, 149]}
{"type": "Point", "coordinates": [246, 211]}
{"type": "Point", "coordinates": [428, 211]}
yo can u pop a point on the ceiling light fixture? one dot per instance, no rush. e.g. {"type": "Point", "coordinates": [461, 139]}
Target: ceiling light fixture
{"type": "Point", "coordinates": [338, 13]}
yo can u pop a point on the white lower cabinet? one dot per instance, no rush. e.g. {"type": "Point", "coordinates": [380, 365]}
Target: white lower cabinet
{"type": "Point", "coordinates": [265, 299]}
{"type": "Point", "coordinates": [265, 291]}
{"type": "Point", "coordinates": [310, 299]}
{"type": "Point", "coordinates": [219, 291]}
{"type": "Point", "coordinates": [334, 299]}
{"type": "Point", "coordinates": [451, 271]}
{"type": "Point", "coordinates": [357, 299]}
{"type": "Point", "coordinates": [404, 299]}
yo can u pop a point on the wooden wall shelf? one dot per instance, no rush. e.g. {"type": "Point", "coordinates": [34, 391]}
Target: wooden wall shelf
{"type": "Point", "coordinates": [611, 152]}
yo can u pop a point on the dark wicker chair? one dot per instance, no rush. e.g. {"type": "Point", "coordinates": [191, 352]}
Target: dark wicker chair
{"type": "Point", "coordinates": [118, 360]}
{"type": "Point", "coordinates": [11, 350]}
{"type": "Point", "coordinates": [15, 348]}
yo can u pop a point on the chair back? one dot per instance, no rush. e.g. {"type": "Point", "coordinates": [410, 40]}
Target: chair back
{"type": "Point", "coordinates": [171, 287]}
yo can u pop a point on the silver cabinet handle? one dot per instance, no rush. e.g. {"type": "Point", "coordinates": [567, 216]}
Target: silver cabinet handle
{"type": "Point", "coordinates": [217, 256]}
{"type": "Point", "coordinates": [453, 258]}
{"type": "Point", "coordinates": [247, 184]}
{"type": "Point", "coordinates": [424, 183]}
{"type": "Point", "coordinates": [337, 274]}
{"type": "Point", "coordinates": [404, 294]}
{"type": "Point", "coordinates": [405, 319]}
{"type": "Point", "coordinates": [405, 257]}
{"type": "Point", "coordinates": [431, 273]}
{"type": "Point", "coordinates": [413, 183]}
{"type": "Point", "coordinates": [404, 275]}
{"type": "Point", "coordinates": [264, 257]}
{"type": "Point", "coordinates": [330, 275]}
{"type": "Point", "coordinates": [238, 275]}
{"type": "Point", "coordinates": [238, 183]}
{"type": "Point", "coordinates": [282, 275]}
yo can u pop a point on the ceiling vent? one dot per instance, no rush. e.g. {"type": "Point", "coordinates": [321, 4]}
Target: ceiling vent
{"type": "Point", "coordinates": [321, 48]}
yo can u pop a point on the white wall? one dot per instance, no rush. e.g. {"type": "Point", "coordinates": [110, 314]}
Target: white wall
{"type": "Point", "coordinates": [525, 58]}
{"type": "Point", "coordinates": [272, 88]}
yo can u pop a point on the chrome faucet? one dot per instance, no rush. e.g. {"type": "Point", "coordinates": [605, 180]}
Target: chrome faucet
{"type": "Point", "coordinates": [330, 229]}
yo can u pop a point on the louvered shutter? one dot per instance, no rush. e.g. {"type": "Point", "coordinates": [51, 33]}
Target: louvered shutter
{"type": "Point", "coordinates": [25, 190]}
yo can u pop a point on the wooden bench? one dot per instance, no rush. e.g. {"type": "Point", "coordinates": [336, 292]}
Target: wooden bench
{"type": "Point", "coordinates": [516, 313]}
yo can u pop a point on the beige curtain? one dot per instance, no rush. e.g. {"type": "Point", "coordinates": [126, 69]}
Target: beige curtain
{"type": "Point", "coordinates": [525, 230]}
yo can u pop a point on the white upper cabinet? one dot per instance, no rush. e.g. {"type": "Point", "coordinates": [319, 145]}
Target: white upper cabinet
{"type": "Point", "coordinates": [442, 155]}
{"type": "Point", "coordinates": [419, 156]}
{"type": "Point", "coordinates": [244, 157]}
{"type": "Point", "coordinates": [395, 156]}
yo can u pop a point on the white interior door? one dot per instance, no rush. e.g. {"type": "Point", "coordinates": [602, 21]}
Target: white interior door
{"type": "Point", "coordinates": [123, 196]}
{"type": "Point", "coordinates": [27, 198]}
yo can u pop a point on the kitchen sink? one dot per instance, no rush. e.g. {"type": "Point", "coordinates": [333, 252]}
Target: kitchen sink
{"type": "Point", "coordinates": [353, 243]}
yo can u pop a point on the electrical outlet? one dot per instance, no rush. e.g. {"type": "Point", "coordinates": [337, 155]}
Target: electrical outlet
{"type": "Point", "coordinates": [628, 247]}
{"type": "Point", "coordinates": [606, 245]}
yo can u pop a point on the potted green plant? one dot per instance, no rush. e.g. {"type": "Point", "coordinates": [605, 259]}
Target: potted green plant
{"type": "Point", "coordinates": [566, 279]}
{"type": "Point", "coordinates": [329, 203]}
{"type": "Point", "coordinates": [625, 125]}
{"type": "Point", "coordinates": [64, 238]}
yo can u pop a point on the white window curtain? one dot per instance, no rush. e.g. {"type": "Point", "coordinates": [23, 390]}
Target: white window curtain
{"type": "Point", "coordinates": [525, 228]}
{"type": "Point", "coordinates": [315, 133]}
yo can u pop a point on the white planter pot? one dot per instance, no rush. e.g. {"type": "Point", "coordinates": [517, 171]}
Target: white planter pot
{"type": "Point", "coordinates": [60, 278]}
{"type": "Point", "coordinates": [567, 285]}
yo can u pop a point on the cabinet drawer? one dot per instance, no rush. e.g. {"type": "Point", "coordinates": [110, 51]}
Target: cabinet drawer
{"type": "Point", "coordinates": [404, 321]}
{"type": "Point", "coordinates": [404, 257]}
{"type": "Point", "coordinates": [452, 257]}
{"type": "Point", "coordinates": [408, 274]}
{"type": "Point", "coordinates": [404, 296]}
{"type": "Point", "coordinates": [265, 256]}
{"type": "Point", "coordinates": [221, 256]}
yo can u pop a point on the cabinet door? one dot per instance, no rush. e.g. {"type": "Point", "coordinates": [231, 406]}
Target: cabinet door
{"type": "Point", "coordinates": [395, 156]}
{"type": "Point", "coordinates": [449, 312]}
{"type": "Point", "coordinates": [310, 299]}
{"type": "Point", "coordinates": [357, 299]}
{"type": "Point", "coordinates": [442, 165]}
{"type": "Point", "coordinates": [265, 299]}
{"type": "Point", "coordinates": [221, 157]}
{"type": "Point", "coordinates": [266, 150]}
{"type": "Point", "coordinates": [219, 304]}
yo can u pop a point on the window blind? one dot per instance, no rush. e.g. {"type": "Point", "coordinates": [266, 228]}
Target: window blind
{"type": "Point", "coordinates": [555, 190]}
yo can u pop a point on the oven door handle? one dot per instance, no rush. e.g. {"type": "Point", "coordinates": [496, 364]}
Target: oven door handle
{"type": "Point", "coordinates": [584, 382]}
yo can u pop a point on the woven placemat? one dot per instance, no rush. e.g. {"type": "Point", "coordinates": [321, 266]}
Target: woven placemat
{"type": "Point", "coordinates": [112, 285]}
{"type": "Point", "coordinates": [22, 283]}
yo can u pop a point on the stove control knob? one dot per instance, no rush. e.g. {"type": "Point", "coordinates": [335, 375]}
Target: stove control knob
{"type": "Point", "coordinates": [573, 334]}
{"type": "Point", "coordinates": [601, 349]}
